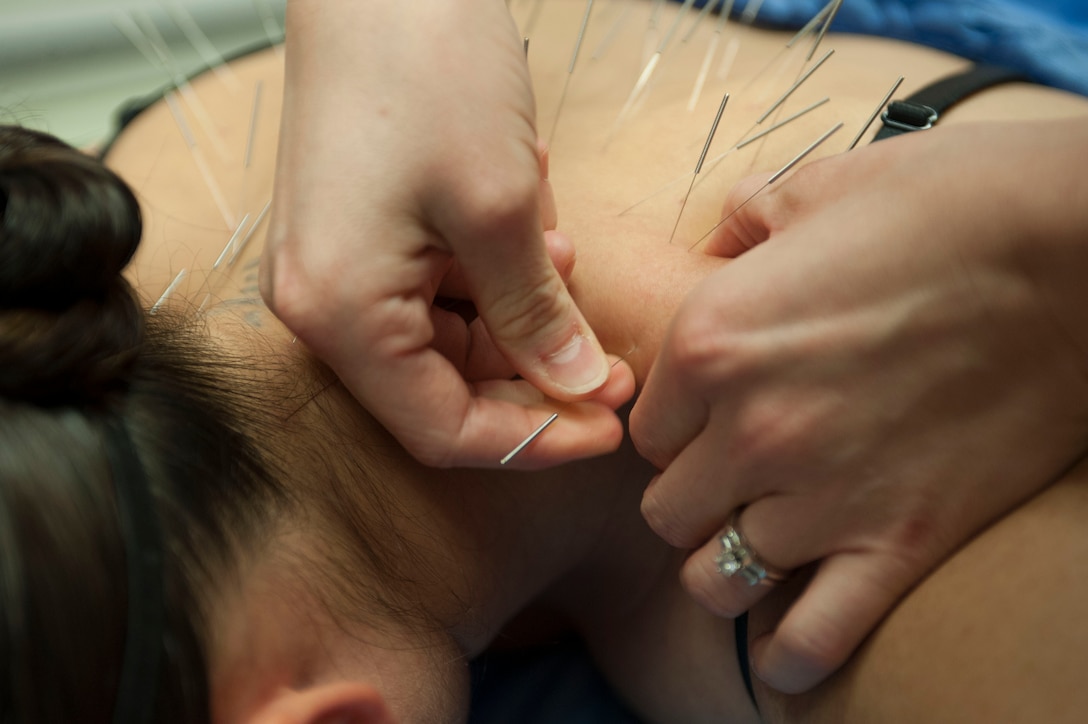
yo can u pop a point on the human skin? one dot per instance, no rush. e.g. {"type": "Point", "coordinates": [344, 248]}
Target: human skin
{"type": "Point", "coordinates": [906, 379]}
{"type": "Point", "coordinates": [446, 188]}
{"type": "Point", "coordinates": [572, 539]}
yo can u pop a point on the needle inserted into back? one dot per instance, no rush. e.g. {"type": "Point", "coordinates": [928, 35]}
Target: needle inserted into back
{"type": "Point", "coordinates": [169, 291]}
{"type": "Point", "coordinates": [797, 84]}
{"type": "Point", "coordinates": [777, 175]}
{"type": "Point", "coordinates": [704, 69]}
{"type": "Point", "coordinates": [876, 112]}
{"type": "Point", "coordinates": [198, 159]}
{"type": "Point", "coordinates": [834, 5]}
{"type": "Point", "coordinates": [720, 157]}
{"type": "Point", "coordinates": [570, 69]}
{"type": "Point", "coordinates": [253, 123]}
{"type": "Point", "coordinates": [648, 71]}
{"type": "Point", "coordinates": [699, 164]}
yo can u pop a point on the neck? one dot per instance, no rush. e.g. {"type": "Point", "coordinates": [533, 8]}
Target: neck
{"type": "Point", "coordinates": [390, 572]}
{"type": "Point", "coordinates": [469, 549]}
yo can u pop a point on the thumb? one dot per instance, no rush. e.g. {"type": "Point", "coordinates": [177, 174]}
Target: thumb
{"type": "Point", "coordinates": [527, 309]}
{"type": "Point", "coordinates": [849, 595]}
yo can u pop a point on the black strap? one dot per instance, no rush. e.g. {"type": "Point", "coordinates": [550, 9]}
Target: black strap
{"type": "Point", "coordinates": [921, 110]}
{"type": "Point", "coordinates": [740, 628]}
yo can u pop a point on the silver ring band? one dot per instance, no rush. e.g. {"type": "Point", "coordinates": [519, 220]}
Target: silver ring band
{"type": "Point", "coordinates": [739, 559]}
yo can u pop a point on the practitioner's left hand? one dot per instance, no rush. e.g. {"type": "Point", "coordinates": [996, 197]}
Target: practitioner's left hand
{"type": "Point", "coordinates": [895, 359]}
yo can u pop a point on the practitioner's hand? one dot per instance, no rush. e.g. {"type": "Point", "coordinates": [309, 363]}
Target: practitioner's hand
{"type": "Point", "coordinates": [408, 167]}
{"type": "Point", "coordinates": [897, 357]}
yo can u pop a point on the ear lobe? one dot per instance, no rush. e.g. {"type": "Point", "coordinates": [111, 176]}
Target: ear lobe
{"type": "Point", "coordinates": [339, 703]}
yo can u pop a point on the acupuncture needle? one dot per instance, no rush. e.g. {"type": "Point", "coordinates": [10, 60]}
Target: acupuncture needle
{"type": "Point", "coordinates": [774, 177]}
{"type": "Point", "coordinates": [751, 10]}
{"type": "Point", "coordinates": [169, 291]}
{"type": "Point", "coordinates": [253, 123]}
{"type": "Point", "coordinates": [649, 41]}
{"type": "Point", "coordinates": [570, 69]}
{"type": "Point", "coordinates": [699, 164]}
{"type": "Point", "coordinates": [707, 9]}
{"type": "Point", "coordinates": [532, 436]}
{"type": "Point", "coordinates": [835, 5]}
{"type": "Point", "coordinates": [547, 423]}
{"type": "Point", "coordinates": [803, 32]}
{"type": "Point", "coordinates": [198, 159]}
{"type": "Point", "coordinates": [740, 144]}
{"type": "Point", "coordinates": [142, 22]}
{"type": "Point", "coordinates": [712, 48]}
{"type": "Point", "coordinates": [875, 113]}
{"type": "Point", "coordinates": [796, 84]}
{"type": "Point", "coordinates": [606, 41]}
{"type": "Point", "coordinates": [779, 124]}
{"type": "Point", "coordinates": [241, 245]}
{"type": "Point", "coordinates": [211, 57]}
{"type": "Point", "coordinates": [271, 28]}
{"type": "Point", "coordinates": [785, 96]}
{"type": "Point", "coordinates": [802, 77]}
{"type": "Point", "coordinates": [747, 140]}
{"type": "Point", "coordinates": [209, 282]}
{"type": "Point", "coordinates": [648, 70]}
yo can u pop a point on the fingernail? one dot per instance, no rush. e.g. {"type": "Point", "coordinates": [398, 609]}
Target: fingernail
{"type": "Point", "coordinates": [579, 367]}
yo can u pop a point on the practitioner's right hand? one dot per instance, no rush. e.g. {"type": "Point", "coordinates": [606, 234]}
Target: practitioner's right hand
{"type": "Point", "coordinates": [408, 168]}
{"type": "Point", "coordinates": [897, 356]}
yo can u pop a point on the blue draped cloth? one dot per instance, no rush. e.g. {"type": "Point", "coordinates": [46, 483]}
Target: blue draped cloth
{"type": "Point", "coordinates": [1046, 40]}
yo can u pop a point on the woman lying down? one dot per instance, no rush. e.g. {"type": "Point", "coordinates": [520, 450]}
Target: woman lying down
{"type": "Point", "coordinates": [198, 524]}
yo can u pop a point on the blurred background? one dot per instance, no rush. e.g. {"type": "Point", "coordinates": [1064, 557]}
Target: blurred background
{"type": "Point", "coordinates": [66, 66]}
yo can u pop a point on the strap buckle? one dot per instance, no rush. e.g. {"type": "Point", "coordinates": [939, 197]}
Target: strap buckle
{"type": "Point", "coordinates": [909, 116]}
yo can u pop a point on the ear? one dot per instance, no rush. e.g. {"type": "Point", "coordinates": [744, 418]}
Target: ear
{"type": "Point", "coordinates": [338, 703]}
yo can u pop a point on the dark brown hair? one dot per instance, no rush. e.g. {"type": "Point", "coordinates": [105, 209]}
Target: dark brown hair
{"type": "Point", "coordinates": [76, 352]}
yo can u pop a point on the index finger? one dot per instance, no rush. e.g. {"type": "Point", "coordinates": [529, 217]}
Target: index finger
{"type": "Point", "coordinates": [442, 420]}
{"type": "Point", "coordinates": [673, 406]}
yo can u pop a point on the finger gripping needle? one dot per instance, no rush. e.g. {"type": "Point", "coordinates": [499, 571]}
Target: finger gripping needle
{"type": "Point", "coordinates": [544, 426]}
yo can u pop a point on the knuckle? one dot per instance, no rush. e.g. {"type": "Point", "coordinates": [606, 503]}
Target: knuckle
{"type": "Point", "coordinates": [917, 539]}
{"type": "Point", "coordinates": [435, 447]}
{"type": "Point", "coordinates": [499, 202]}
{"type": "Point", "coordinates": [760, 433]}
{"type": "Point", "coordinates": [431, 455]}
{"type": "Point", "coordinates": [664, 519]}
{"type": "Point", "coordinates": [701, 346]}
{"type": "Point", "coordinates": [819, 647]}
{"type": "Point", "coordinates": [644, 436]}
{"type": "Point", "coordinates": [290, 289]}
{"type": "Point", "coordinates": [541, 307]}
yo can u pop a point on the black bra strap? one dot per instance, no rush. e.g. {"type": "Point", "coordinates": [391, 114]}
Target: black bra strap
{"type": "Point", "coordinates": [740, 627]}
{"type": "Point", "coordinates": [921, 110]}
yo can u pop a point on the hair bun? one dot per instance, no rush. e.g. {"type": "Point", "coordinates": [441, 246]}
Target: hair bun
{"type": "Point", "coordinates": [68, 225]}
{"type": "Point", "coordinates": [69, 323]}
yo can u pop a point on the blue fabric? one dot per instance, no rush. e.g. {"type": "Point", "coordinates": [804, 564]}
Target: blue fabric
{"type": "Point", "coordinates": [1047, 40]}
